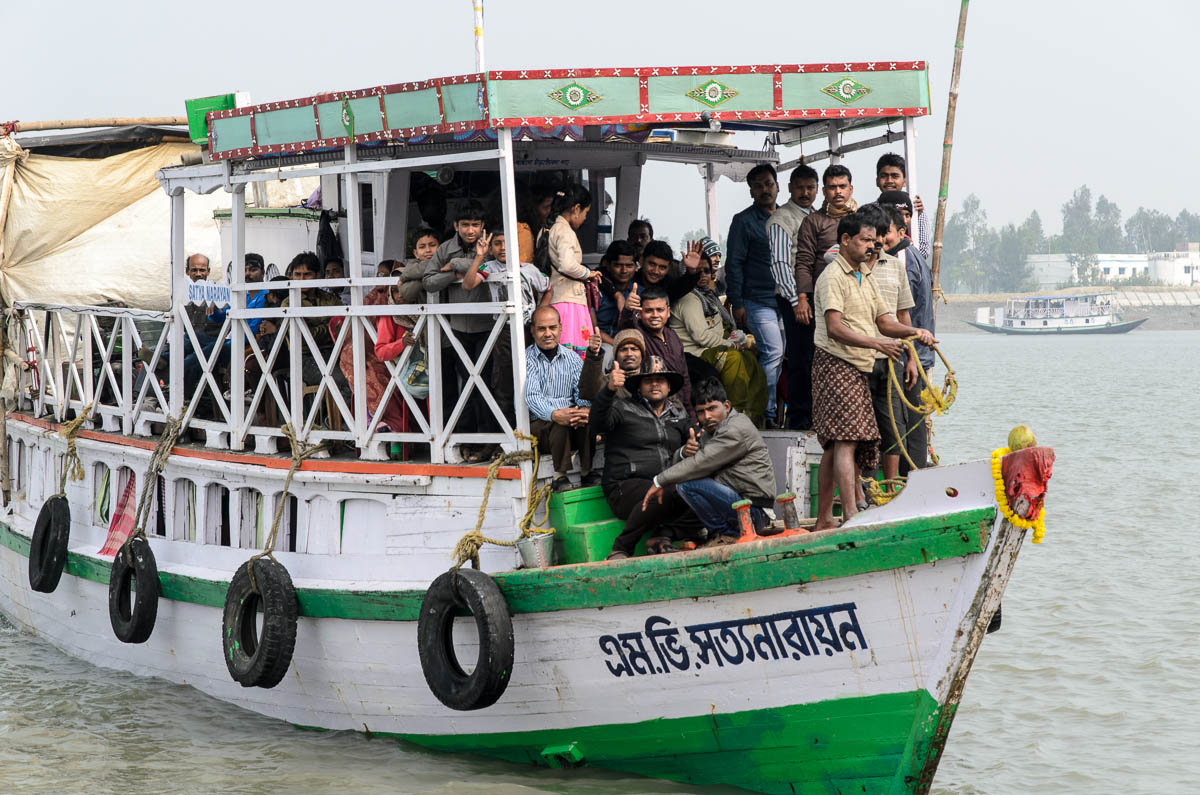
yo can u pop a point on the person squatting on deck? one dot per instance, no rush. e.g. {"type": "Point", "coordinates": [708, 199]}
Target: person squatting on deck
{"type": "Point", "coordinates": [558, 415]}
{"type": "Point", "coordinates": [727, 463]}
{"type": "Point", "coordinates": [642, 428]}
{"type": "Point", "coordinates": [850, 314]}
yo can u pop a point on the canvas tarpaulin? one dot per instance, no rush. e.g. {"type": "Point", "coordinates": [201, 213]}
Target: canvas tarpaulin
{"type": "Point", "coordinates": [82, 231]}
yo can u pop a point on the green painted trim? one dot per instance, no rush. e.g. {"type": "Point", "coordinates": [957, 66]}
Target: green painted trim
{"type": "Point", "coordinates": [873, 744]}
{"type": "Point", "coordinates": [721, 570]}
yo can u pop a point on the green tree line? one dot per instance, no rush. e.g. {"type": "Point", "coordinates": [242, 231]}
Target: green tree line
{"type": "Point", "coordinates": [977, 257]}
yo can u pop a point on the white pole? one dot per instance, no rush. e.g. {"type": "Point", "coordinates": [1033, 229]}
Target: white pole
{"type": "Point", "coordinates": [710, 200]}
{"type": "Point", "coordinates": [353, 267]}
{"type": "Point", "coordinates": [508, 194]}
{"type": "Point", "coordinates": [910, 159]}
{"type": "Point", "coordinates": [477, 5]}
{"type": "Point", "coordinates": [237, 349]}
{"type": "Point", "coordinates": [835, 144]}
{"type": "Point", "coordinates": [178, 295]}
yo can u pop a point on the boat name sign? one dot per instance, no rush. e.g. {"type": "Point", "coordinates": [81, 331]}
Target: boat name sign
{"type": "Point", "coordinates": [795, 634]}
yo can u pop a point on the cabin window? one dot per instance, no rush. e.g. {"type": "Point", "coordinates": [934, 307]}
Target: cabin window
{"type": "Point", "coordinates": [183, 520]}
{"type": "Point", "coordinates": [1121, 271]}
{"type": "Point", "coordinates": [158, 517]}
{"type": "Point", "coordinates": [102, 501]}
{"type": "Point", "coordinates": [21, 458]}
{"type": "Point", "coordinates": [1045, 323]}
{"type": "Point", "coordinates": [1187, 268]}
{"type": "Point", "coordinates": [1107, 271]}
{"type": "Point", "coordinates": [253, 525]}
{"type": "Point", "coordinates": [366, 211]}
{"type": "Point", "coordinates": [218, 528]}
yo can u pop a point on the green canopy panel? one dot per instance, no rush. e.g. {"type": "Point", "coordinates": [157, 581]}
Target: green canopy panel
{"type": "Point", "coordinates": [626, 100]}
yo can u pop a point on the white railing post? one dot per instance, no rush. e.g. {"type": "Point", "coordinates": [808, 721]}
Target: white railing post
{"type": "Point", "coordinates": [125, 327]}
{"type": "Point", "coordinates": [237, 302]}
{"type": "Point", "coordinates": [353, 268]}
{"type": "Point", "coordinates": [178, 292]}
{"type": "Point", "coordinates": [515, 297]}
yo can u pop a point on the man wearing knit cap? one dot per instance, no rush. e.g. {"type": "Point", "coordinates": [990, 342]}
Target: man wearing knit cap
{"type": "Point", "coordinates": [629, 352]}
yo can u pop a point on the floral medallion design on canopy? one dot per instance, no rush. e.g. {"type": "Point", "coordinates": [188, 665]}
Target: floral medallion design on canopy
{"type": "Point", "coordinates": [574, 96]}
{"type": "Point", "coordinates": [347, 116]}
{"type": "Point", "coordinates": [712, 93]}
{"type": "Point", "coordinates": [846, 90]}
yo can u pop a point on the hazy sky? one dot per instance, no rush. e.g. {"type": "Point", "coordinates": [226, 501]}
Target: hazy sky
{"type": "Point", "coordinates": [1054, 94]}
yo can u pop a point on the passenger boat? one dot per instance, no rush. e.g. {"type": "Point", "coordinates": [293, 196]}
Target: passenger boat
{"type": "Point", "coordinates": [1091, 313]}
{"type": "Point", "coordinates": [803, 662]}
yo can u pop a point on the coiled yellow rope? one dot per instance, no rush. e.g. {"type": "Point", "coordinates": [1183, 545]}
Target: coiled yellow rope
{"type": "Point", "coordinates": [467, 548]}
{"type": "Point", "coordinates": [932, 400]}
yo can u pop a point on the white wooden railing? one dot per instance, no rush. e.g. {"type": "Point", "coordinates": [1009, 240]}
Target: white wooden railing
{"type": "Point", "coordinates": [86, 355]}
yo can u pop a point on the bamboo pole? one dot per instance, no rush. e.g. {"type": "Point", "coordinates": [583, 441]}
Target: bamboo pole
{"type": "Point", "coordinates": [947, 147]}
{"type": "Point", "coordinates": [71, 124]}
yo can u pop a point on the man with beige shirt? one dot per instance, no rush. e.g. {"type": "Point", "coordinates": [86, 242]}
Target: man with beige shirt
{"type": "Point", "coordinates": [849, 314]}
{"type": "Point", "coordinates": [891, 280]}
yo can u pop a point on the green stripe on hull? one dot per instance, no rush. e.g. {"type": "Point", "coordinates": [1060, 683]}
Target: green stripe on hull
{"type": "Point", "coordinates": [871, 744]}
{"type": "Point", "coordinates": [712, 572]}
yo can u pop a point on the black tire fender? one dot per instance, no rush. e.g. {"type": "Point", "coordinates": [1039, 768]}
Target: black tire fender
{"type": "Point", "coordinates": [48, 549]}
{"type": "Point", "coordinates": [479, 594]}
{"type": "Point", "coordinates": [133, 619]}
{"type": "Point", "coordinates": [259, 656]}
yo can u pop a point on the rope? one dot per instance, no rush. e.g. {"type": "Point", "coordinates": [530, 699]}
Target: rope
{"type": "Point", "coordinates": [72, 467]}
{"type": "Point", "coordinates": [467, 548]}
{"type": "Point", "coordinates": [300, 451]}
{"type": "Point", "coordinates": [932, 400]}
{"type": "Point", "coordinates": [158, 459]}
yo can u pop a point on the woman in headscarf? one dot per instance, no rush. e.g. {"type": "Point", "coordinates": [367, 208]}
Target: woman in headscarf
{"type": "Point", "coordinates": [393, 415]}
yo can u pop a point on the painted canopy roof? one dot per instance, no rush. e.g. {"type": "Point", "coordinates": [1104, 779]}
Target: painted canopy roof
{"type": "Point", "coordinates": [627, 100]}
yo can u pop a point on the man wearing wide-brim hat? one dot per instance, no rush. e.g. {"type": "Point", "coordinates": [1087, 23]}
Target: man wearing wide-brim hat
{"type": "Point", "coordinates": [642, 433]}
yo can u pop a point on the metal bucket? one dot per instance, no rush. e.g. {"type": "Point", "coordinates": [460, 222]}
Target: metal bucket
{"type": "Point", "coordinates": [537, 550]}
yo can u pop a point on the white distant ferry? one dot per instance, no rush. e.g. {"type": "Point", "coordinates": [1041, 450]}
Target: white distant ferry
{"type": "Point", "coordinates": [1055, 314]}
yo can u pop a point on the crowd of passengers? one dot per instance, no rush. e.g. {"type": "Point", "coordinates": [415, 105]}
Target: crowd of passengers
{"type": "Point", "coordinates": [675, 363]}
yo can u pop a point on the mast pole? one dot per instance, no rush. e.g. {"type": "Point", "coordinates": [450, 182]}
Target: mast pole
{"type": "Point", "coordinates": [477, 5]}
{"type": "Point", "coordinates": [947, 148]}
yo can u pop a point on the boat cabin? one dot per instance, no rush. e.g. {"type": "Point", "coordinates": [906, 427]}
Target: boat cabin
{"type": "Point", "coordinates": [386, 157]}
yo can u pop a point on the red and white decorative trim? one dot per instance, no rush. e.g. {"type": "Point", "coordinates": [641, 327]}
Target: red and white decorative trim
{"type": "Point", "coordinates": [667, 71]}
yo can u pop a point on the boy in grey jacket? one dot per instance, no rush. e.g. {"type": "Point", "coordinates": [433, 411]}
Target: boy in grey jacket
{"type": "Point", "coordinates": [728, 463]}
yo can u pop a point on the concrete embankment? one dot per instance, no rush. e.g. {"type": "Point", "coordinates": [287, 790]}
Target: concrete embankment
{"type": "Point", "coordinates": [1167, 308]}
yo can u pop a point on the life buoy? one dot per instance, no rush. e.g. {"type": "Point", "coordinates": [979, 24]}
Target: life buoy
{"type": "Point", "coordinates": [478, 593]}
{"type": "Point", "coordinates": [48, 549]}
{"type": "Point", "coordinates": [259, 658]}
{"type": "Point", "coordinates": [133, 618]}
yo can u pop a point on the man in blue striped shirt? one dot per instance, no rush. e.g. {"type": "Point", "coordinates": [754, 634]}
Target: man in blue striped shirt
{"type": "Point", "coordinates": [558, 416]}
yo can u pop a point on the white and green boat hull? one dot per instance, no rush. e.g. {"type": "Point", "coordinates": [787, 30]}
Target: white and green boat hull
{"type": "Point", "coordinates": [822, 663]}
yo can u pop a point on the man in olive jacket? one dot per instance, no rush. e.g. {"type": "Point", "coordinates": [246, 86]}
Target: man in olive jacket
{"type": "Point", "coordinates": [727, 464]}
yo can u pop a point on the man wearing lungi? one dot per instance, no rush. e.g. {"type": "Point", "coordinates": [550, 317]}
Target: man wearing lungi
{"type": "Point", "coordinates": [854, 316]}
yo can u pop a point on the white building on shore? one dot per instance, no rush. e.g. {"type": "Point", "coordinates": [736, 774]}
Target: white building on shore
{"type": "Point", "coordinates": [1175, 268]}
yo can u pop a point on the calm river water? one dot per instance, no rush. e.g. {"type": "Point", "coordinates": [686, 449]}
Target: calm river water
{"type": "Point", "coordinates": [1092, 685]}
